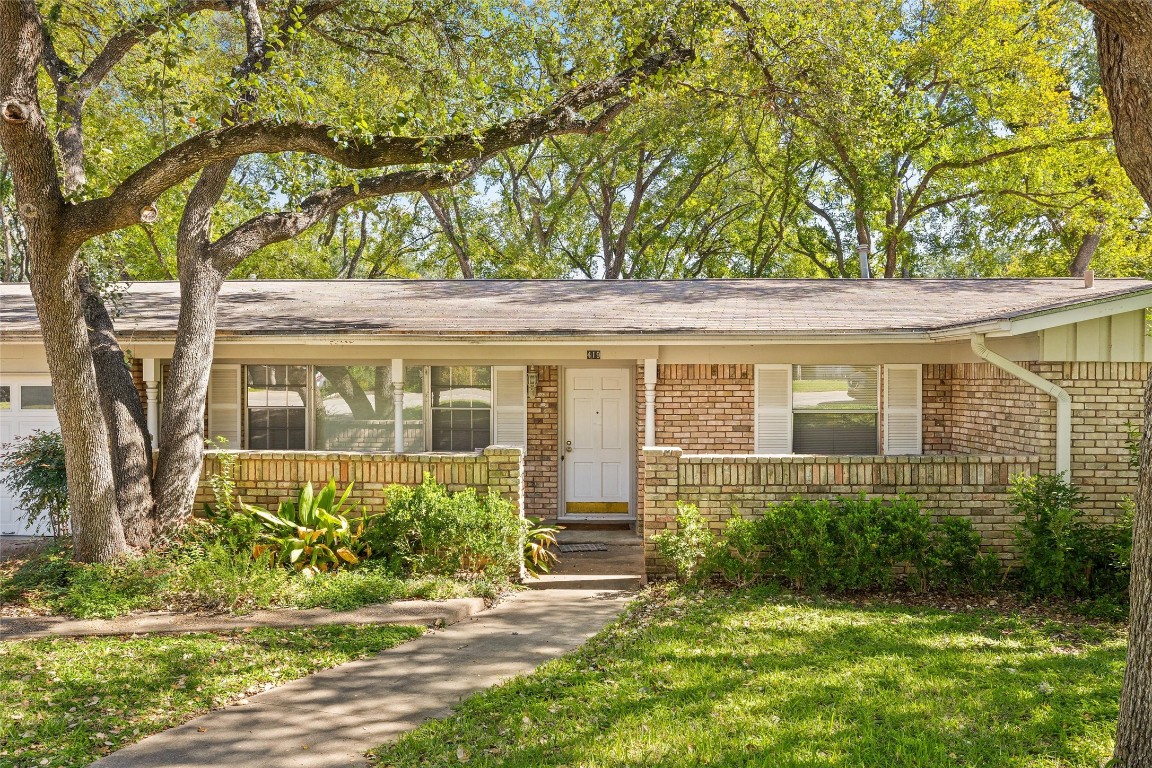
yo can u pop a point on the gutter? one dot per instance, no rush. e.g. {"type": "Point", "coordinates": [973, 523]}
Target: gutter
{"type": "Point", "coordinates": [1063, 401]}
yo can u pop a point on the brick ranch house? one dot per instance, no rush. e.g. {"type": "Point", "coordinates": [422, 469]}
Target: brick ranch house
{"type": "Point", "coordinates": [594, 400]}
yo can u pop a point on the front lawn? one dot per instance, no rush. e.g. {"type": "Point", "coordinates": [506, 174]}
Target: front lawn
{"type": "Point", "coordinates": [748, 679]}
{"type": "Point", "coordinates": [66, 702]}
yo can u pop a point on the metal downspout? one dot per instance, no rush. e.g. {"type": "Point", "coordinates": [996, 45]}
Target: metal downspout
{"type": "Point", "coordinates": [1063, 401]}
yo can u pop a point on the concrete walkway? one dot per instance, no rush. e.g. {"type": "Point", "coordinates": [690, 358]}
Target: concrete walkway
{"type": "Point", "coordinates": [428, 613]}
{"type": "Point", "coordinates": [331, 718]}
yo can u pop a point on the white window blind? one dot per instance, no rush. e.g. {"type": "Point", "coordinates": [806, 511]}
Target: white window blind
{"type": "Point", "coordinates": [773, 428]}
{"type": "Point", "coordinates": [903, 409]}
{"type": "Point", "coordinates": [510, 405]}
{"type": "Point", "coordinates": [224, 404]}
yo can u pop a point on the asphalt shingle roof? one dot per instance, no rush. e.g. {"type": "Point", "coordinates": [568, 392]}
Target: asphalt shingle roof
{"type": "Point", "coordinates": [594, 308]}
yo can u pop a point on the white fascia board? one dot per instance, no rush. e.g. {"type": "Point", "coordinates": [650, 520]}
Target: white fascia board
{"type": "Point", "coordinates": [1040, 321]}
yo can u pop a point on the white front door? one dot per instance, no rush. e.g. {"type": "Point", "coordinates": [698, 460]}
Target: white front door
{"type": "Point", "coordinates": [25, 405]}
{"type": "Point", "coordinates": [597, 443]}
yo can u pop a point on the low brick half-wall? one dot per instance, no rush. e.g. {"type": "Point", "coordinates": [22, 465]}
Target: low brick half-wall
{"type": "Point", "coordinates": [267, 477]}
{"type": "Point", "coordinates": [972, 486]}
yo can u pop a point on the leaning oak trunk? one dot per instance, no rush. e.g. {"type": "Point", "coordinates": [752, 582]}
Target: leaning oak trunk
{"type": "Point", "coordinates": [181, 453]}
{"type": "Point", "coordinates": [127, 423]}
{"type": "Point", "coordinates": [98, 534]}
{"type": "Point", "coordinates": [1134, 729]}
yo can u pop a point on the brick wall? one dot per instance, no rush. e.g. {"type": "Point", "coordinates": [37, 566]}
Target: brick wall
{"type": "Point", "coordinates": [267, 477]}
{"type": "Point", "coordinates": [979, 409]}
{"type": "Point", "coordinates": [971, 486]}
{"type": "Point", "coordinates": [542, 460]}
{"type": "Point", "coordinates": [704, 408]}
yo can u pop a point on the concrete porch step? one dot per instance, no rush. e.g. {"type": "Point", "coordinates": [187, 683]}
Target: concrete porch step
{"type": "Point", "coordinates": [615, 582]}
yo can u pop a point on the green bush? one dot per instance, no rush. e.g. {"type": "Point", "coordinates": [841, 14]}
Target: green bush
{"type": "Point", "coordinates": [847, 543]}
{"type": "Point", "coordinates": [32, 468]}
{"type": "Point", "coordinates": [739, 554]}
{"type": "Point", "coordinates": [955, 563]}
{"type": "Point", "coordinates": [311, 534]}
{"type": "Point", "coordinates": [216, 577]}
{"type": "Point", "coordinates": [798, 541]}
{"type": "Point", "coordinates": [427, 530]}
{"type": "Point", "coordinates": [690, 545]}
{"type": "Point", "coordinates": [1061, 553]}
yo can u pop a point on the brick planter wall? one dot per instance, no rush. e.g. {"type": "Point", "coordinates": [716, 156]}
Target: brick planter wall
{"type": "Point", "coordinates": [267, 477]}
{"type": "Point", "coordinates": [971, 486]}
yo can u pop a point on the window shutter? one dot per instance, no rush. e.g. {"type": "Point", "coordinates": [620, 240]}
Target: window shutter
{"type": "Point", "coordinates": [902, 409]}
{"type": "Point", "coordinates": [224, 404]}
{"type": "Point", "coordinates": [773, 409]}
{"type": "Point", "coordinates": [510, 405]}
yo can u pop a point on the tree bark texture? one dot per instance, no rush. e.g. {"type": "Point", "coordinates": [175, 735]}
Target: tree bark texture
{"type": "Point", "coordinates": [1134, 730]}
{"type": "Point", "coordinates": [98, 533]}
{"type": "Point", "coordinates": [1124, 46]}
{"type": "Point", "coordinates": [1085, 252]}
{"type": "Point", "coordinates": [126, 421]}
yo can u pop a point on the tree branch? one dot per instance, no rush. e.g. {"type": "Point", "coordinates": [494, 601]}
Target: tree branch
{"type": "Point", "coordinates": [123, 206]}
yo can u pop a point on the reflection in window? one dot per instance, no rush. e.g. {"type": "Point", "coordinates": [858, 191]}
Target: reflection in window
{"type": "Point", "coordinates": [277, 399]}
{"type": "Point", "coordinates": [5, 398]}
{"type": "Point", "coordinates": [835, 409]}
{"type": "Point", "coordinates": [355, 410]}
{"type": "Point", "coordinates": [461, 407]}
{"type": "Point", "coordinates": [36, 398]}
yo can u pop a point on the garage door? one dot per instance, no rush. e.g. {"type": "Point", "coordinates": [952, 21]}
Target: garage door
{"type": "Point", "coordinates": [25, 406]}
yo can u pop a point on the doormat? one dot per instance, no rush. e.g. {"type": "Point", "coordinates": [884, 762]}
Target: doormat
{"type": "Point", "coordinates": [592, 547]}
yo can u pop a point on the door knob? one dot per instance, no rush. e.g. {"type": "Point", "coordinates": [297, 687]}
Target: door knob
{"type": "Point", "coordinates": [568, 446]}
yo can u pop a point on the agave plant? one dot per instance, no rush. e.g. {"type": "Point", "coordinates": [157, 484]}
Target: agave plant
{"type": "Point", "coordinates": [538, 543]}
{"type": "Point", "coordinates": [311, 534]}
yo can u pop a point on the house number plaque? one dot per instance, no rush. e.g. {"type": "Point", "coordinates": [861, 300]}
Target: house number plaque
{"type": "Point", "coordinates": [592, 354]}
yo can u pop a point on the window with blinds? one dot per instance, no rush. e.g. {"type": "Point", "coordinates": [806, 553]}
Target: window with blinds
{"type": "Point", "coordinates": [835, 409]}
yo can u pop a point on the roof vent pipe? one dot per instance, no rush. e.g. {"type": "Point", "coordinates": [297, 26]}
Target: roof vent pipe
{"type": "Point", "coordinates": [862, 251]}
{"type": "Point", "coordinates": [1089, 276]}
{"type": "Point", "coordinates": [1063, 402]}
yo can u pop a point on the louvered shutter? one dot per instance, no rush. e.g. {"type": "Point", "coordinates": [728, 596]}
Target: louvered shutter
{"type": "Point", "coordinates": [902, 410]}
{"type": "Point", "coordinates": [224, 404]}
{"type": "Point", "coordinates": [509, 405]}
{"type": "Point", "coordinates": [773, 409]}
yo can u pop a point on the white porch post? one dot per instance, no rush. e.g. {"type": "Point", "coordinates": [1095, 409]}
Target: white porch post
{"type": "Point", "coordinates": [152, 391]}
{"type": "Point", "coordinates": [398, 403]}
{"type": "Point", "coordinates": [650, 402]}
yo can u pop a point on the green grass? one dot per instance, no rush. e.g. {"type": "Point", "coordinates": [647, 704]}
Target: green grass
{"type": "Point", "coordinates": [215, 579]}
{"type": "Point", "coordinates": [753, 680]}
{"type": "Point", "coordinates": [66, 702]}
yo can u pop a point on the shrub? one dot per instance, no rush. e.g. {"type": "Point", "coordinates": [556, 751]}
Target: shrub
{"type": "Point", "coordinates": [310, 534]}
{"type": "Point", "coordinates": [690, 545]}
{"type": "Point", "coordinates": [798, 545]}
{"type": "Point", "coordinates": [851, 543]}
{"type": "Point", "coordinates": [427, 530]}
{"type": "Point", "coordinates": [1061, 553]}
{"type": "Point", "coordinates": [32, 468]}
{"type": "Point", "coordinates": [738, 555]}
{"type": "Point", "coordinates": [956, 563]}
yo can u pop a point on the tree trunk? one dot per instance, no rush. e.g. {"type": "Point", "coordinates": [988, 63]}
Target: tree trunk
{"type": "Point", "coordinates": [1124, 46]}
{"type": "Point", "coordinates": [127, 423]}
{"type": "Point", "coordinates": [98, 534]}
{"type": "Point", "coordinates": [185, 395]}
{"type": "Point", "coordinates": [1085, 252]}
{"type": "Point", "coordinates": [1134, 729]}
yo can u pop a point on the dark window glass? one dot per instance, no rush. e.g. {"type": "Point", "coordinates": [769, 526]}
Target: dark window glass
{"type": "Point", "coordinates": [277, 400]}
{"type": "Point", "coordinates": [36, 398]}
{"type": "Point", "coordinates": [835, 433]}
{"type": "Point", "coordinates": [461, 407]}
